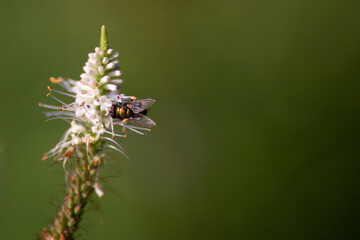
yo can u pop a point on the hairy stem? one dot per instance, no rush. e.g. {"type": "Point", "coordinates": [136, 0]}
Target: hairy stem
{"type": "Point", "coordinates": [80, 186]}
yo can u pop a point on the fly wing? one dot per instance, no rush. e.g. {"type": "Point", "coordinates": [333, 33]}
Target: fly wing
{"type": "Point", "coordinates": [142, 121]}
{"type": "Point", "coordinates": [137, 106]}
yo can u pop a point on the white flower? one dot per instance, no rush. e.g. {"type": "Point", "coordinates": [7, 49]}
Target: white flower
{"type": "Point", "coordinates": [124, 99]}
{"type": "Point", "coordinates": [94, 94]}
{"type": "Point", "coordinates": [98, 190]}
{"type": "Point", "coordinates": [75, 139]}
{"type": "Point", "coordinates": [98, 129]}
{"type": "Point", "coordinates": [85, 93]}
{"type": "Point", "coordinates": [92, 129]}
{"type": "Point", "coordinates": [79, 112]}
{"type": "Point", "coordinates": [107, 122]}
{"type": "Point", "coordinates": [104, 104]}
{"type": "Point", "coordinates": [76, 128]}
{"type": "Point", "coordinates": [111, 87]}
{"type": "Point", "coordinates": [91, 113]}
{"type": "Point", "coordinates": [105, 79]}
{"type": "Point", "coordinates": [88, 138]}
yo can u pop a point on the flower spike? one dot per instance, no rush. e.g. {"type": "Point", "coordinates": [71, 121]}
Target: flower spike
{"type": "Point", "coordinates": [96, 108]}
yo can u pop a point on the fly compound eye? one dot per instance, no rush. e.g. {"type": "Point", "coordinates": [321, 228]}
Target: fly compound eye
{"type": "Point", "coordinates": [112, 111]}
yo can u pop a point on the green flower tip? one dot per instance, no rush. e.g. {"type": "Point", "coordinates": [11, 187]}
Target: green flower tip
{"type": "Point", "coordinates": [104, 44]}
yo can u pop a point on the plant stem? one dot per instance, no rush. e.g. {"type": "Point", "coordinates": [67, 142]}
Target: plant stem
{"type": "Point", "coordinates": [80, 186]}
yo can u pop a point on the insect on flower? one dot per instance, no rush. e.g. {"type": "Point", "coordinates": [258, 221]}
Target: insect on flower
{"type": "Point", "coordinates": [97, 107]}
{"type": "Point", "coordinates": [95, 110]}
{"type": "Point", "coordinates": [133, 112]}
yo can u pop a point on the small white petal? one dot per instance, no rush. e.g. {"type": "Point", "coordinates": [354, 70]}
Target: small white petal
{"type": "Point", "coordinates": [89, 71]}
{"type": "Point", "coordinates": [96, 119]}
{"type": "Point", "coordinates": [90, 64]}
{"type": "Point", "coordinates": [111, 87]}
{"type": "Point", "coordinates": [116, 73]}
{"type": "Point", "coordinates": [75, 139]}
{"type": "Point", "coordinates": [117, 81]}
{"type": "Point", "coordinates": [98, 128]}
{"type": "Point", "coordinates": [76, 128]}
{"type": "Point", "coordinates": [88, 138]}
{"type": "Point", "coordinates": [93, 55]}
{"type": "Point", "coordinates": [101, 70]}
{"type": "Point", "coordinates": [94, 61]}
{"type": "Point", "coordinates": [103, 98]}
{"type": "Point", "coordinates": [84, 78]}
{"type": "Point", "coordinates": [107, 122]}
{"type": "Point", "coordinates": [104, 79]}
{"type": "Point", "coordinates": [105, 60]}
{"type": "Point", "coordinates": [88, 78]}
{"type": "Point", "coordinates": [97, 102]}
{"type": "Point", "coordinates": [98, 190]}
{"type": "Point", "coordinates": [79, 112]}
{"type": "Point", "coordinates": [114, 55]}
{"type": "Point", "coordinates": [125, 98]}
{"type": "Point", "coordinates": [109, 51]}
{"type": "Point", "coordinates": [110, 65]}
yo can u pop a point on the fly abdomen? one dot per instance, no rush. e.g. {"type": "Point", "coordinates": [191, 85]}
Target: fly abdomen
{"type": "Point", "coordinates": [123, 112]}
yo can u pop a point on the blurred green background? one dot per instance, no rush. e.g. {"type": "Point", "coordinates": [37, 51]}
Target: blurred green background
{"type": "Point", "coordinates": [258, 112]}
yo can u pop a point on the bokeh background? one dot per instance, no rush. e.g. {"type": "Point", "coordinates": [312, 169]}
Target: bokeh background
{"type": "Point", "coordinates": [258, 112]}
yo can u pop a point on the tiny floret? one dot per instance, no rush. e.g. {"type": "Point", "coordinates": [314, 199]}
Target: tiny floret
{"type": "Point", "coordinates": [98, 190]}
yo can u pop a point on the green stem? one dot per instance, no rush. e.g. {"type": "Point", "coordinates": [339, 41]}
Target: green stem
{"type": "Point", "coordinates": [80, 187]}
